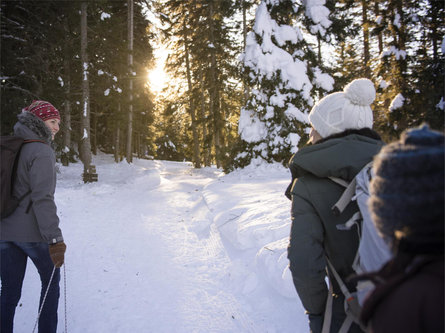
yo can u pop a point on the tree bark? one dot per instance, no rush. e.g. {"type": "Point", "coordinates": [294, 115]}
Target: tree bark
{"type": "Point", "coordinates": [85, 151]}
{"type": "Point", "coordinates": [365, 26]}
{"type": "Point", "coordinates": [197, 160]}
{"type": "Point", "coordinates": [67, 104]}
{"type": "Point", "coordinates": [214, 93]}
{"type": "Point", "coordinates": [379, 36]}
{"type": "Point", "coordinates": [93, 116]}
{"type": "Point", "coordinates": [117, 142]}
{"type": "Point", "coordinates": [130, 87]}
{"type": "Point", "coordinates": [206, 149]}
{"type": "Point", "coordinates": [245, 86]}
{"type": "Point", "coordinates": [399, 40]}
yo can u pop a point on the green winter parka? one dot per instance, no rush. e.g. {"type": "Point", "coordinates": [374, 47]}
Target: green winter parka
{"type": "Point", "coordinates": [314, 232]}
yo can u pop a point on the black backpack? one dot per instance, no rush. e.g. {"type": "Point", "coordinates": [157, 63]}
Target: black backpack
{"type": "Point", "coordinates": [10, 147]}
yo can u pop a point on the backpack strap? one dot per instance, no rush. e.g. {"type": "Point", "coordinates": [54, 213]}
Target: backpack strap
{"type": "Point", "coordinates": [347, 195]}
{"type": "Point", "coordinates": [340, 282]}
{"type": "Point", "coordinates": [349, 192]}
{"type": "Point", "coordinates": [327, 318]}
{"type": "Point", "coordinates": [352, 307]}
{"type": "Point", "coordinates": [34, 140]}
{"type": "Point", "coordinates": [346, 324]}
{"type": "Point", "coordinates": [339, 181]}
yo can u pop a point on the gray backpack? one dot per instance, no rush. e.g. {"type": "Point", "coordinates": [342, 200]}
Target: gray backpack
{"type": "Point", "coordinates": [372, 253]}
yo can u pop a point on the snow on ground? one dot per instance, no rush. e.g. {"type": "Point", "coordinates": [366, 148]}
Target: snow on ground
{"type": "Point", "coordinates": [159, 246]}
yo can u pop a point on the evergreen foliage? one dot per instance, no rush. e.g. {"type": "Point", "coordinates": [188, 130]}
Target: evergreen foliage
{"type": "Point", "coordinates": [283, 72]}
{"type": "Point", "coordinates": [407, 63]}
{"type": "Point", "coordinates": [200, 33]}
{"type": "Point", "coordinates": [38, 36]}
{"type": "Point", "coordinates": [232, 98]}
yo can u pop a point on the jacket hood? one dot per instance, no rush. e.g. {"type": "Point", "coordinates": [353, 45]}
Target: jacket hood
{"type": "Point", "coordinates": [30, 126]}
{"type": "Point", "coordinates": [341, 157]}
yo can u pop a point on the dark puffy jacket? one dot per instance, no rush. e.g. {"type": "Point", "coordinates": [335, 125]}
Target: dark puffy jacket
{"type": "Point", "coordinates": [36, 172]}
{"type": "Point", "coordinates": [314, 232]}
{"type": "Point", "coordinates": [409, 296]}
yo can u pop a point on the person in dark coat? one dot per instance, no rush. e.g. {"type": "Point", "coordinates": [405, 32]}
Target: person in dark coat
{"type": "Point", "coordinates": [407, 206]}
{"type": "Point", "coordinates": [32, 230]}
{"type": "Point", "coordinates": [343, 143]}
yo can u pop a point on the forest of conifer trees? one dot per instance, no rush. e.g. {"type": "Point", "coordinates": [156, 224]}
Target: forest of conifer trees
{"type": "Point", "coordinates": [225, 61]}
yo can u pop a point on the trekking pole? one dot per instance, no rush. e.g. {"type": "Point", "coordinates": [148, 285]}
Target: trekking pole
{"type": "Point", "coordinates": [64, 296]}
{"type": "Point", "coordinates": [44, 299]}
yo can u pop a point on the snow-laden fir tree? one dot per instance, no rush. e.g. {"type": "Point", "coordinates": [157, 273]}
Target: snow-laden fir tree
{"type": "Point", "coordinates": [281, 69]}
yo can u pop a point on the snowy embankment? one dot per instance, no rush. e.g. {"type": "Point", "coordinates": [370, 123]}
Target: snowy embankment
{"type": "Point", "coordinates": [158, 246]}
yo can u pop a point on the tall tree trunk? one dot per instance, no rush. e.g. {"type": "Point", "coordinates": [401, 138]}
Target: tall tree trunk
{"type": "Point", "coordinates": [380, 35]}
{"type": "Point", "coordinates": [197, 160]}
{"type": "Point", "coordinates": [214, 93]}
{"type": "Point", "coordinates": [319, 93]}
{"type": "Point", "coordinates": [67, 104]}
{"type": "Point", "coordinates": [365, 26]}
{"type": "Point", "coordinates": [434, 30]}
{"type": "Point", "coordinates": [245, 86]}
{"type": "Point", "coordinates": [85, 145]}
{"type": "Point", "coordinates": [398, 64]}
{"type": "Point", "coordinates": [435, 35]}
{"type": "Point", "coordinates": [319, 49]}
{"type": "Point", "coordinates": [206, 151]}
{"type": "Point", "coordinates": [139, 145]}
{"type": "Point", "coordinates": [399, 40]}
{"type": "Point", "coordinates": [93, 116]}
{"type": "Point", "coordinates": [130, 88]}
{"type": "Point", "coordinates": [117, 141]}
{"type": "Point", "coordinates": [403, 63]}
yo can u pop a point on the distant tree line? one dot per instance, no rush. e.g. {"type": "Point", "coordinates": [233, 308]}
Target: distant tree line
{"type": "Point", "coordinates": [218, 60]}
{"type": "Point", "coordinates": [398, 44]}
{"type": "Point", "coordinates": [75, 55]}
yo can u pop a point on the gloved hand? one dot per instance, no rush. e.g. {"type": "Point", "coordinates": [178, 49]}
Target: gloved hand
{"type": "Point", "coordinates": [57, 253]}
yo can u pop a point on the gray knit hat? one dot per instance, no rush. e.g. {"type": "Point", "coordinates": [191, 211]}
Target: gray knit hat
{"type": "Point", "coordinates": [407, 191]}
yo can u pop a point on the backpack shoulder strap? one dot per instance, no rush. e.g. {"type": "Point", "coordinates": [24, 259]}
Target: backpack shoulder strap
{"type": "Point", "coordinates": [339, 181]}
{"type": "Point", "coordinates": [34, 140]}
{"type": "Point", "coordinates": [353, 308]}
{"type": "Point", "coordinates": [340, 282]}
{"type": "Point", "coordinates": [347, 195]}
{"type": "Point", "coordinates": [349, 192]}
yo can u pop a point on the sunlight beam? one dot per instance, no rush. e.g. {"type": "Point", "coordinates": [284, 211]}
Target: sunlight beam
{"type": "Point", "coordinates": [157, 77]}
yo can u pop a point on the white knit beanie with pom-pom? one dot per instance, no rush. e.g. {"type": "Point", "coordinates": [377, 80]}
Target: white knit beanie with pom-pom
{"type": "Point", "coordinates": [349, 109]}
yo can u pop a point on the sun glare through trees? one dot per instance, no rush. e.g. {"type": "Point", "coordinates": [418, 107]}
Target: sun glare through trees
{"type": "Point", "coordinates": [157, 77]}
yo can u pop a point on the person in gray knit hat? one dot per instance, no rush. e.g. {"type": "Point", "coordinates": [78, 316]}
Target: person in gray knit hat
{"type": "Point", "coordinates": [407, 207]}
{"type": "Point", "coordinates": [407, 192]}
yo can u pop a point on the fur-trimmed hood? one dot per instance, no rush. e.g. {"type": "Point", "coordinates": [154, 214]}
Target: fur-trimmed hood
{"type": "Point", "coordinates": [30, 126]}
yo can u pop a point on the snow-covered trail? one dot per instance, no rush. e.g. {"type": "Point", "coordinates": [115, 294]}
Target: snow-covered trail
{"type": "Point", "coordinates": [136, 263]}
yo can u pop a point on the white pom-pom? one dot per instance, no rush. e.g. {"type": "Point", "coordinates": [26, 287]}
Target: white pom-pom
{"type": "Point", "coordinates": [360, 92]}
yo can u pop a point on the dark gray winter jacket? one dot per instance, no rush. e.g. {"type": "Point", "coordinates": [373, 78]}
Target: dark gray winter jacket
{"type": "Point", "coordinates": [36, 173]}
{"type": "Point", "coordinates": [314, 232]}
